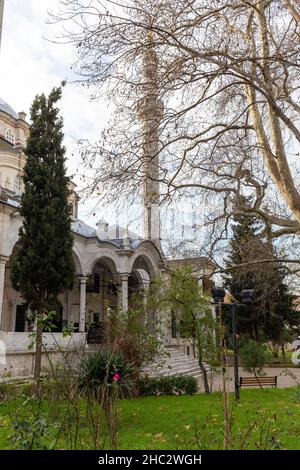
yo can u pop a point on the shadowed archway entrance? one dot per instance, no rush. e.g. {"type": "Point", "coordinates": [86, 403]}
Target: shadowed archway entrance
{"type": "Point", "coordinates": [141, 276]}
{"type": "Point", "coordinates": [101, 295]}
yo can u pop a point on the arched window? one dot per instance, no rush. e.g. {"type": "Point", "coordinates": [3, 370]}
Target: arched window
{"type": "Point", "coordinates": [10, 136]}
{"type": "Point", "coordinates": [18, 185]}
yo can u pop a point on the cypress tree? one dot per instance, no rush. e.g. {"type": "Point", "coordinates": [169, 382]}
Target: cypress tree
{"type": "Point", "coordinates": [43, 266]}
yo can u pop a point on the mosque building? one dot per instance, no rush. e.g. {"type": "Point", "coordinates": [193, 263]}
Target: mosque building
{"type": "Point", "coordinates": [112, 264]}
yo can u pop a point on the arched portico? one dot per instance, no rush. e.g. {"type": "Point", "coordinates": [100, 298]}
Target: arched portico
{"type": "Point", "coordinates": [99, 290]}
{"type": "Point", "coordinates": [105, 276]}
{"type": "Point", "coordinates": [13, 314]}
{"type": "Point", "coordinates": [144, 270]}
{"type": "Point", "coordinates": [147, 258]}
{"type": "Point", "coordinates": [102, 288]}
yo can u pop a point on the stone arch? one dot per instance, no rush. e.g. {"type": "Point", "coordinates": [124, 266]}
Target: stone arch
{"type": "Point", "coordinates": [144, 268]}
{"type": "Point", "coordinates": [142, 276]}
{"type": "Point", "coordinates": [106, 260]}
{"type": "Point", "coordinates": [77, 262]}
{"type": "Point", "coordinates": [144, 262]}
{"type": "Point", "coordinates": [102, 289]}
{"type": "Point", "coordinates": [12, 300]}
{"type": "Point", "coordinates": [78, 258]}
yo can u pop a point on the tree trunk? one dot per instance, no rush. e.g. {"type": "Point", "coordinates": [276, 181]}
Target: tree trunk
{"type": "Point", "coordinates": [200, 362]}
{"type": "Point", "coordinates": [254, 371]}
{"type": "Point", "coordinates": [36, 388]}
{"type": "Point", "coordinates": [205, 377]}
{"type": "Point", "coordinates": [283, 352]}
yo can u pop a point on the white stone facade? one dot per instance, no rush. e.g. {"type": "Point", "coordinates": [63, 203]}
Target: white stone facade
{"type": "Point", "coordinates": [110, 262]}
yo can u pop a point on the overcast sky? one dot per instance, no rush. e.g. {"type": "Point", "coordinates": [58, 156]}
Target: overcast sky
{"type": "Point", "coordinates": [30, 64]}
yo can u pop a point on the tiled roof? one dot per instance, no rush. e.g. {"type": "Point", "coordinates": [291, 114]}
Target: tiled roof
{"type": "Point", "coordinates": [8, 109]}
{"type": "Point", "coordinates": [83, 229]}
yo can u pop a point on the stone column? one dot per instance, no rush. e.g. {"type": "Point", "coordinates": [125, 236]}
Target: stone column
{"type": "Point", "coordinates": [82, 311]}
{"type": "Point", "coordinates": [3, 261]}
{"type": "Point", "coordinates": [124, 292]}
{"type": "Point", "coordinates": [144, 292]}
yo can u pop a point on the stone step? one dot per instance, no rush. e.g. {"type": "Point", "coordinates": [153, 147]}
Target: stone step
{"type": "Point", "coordinates": [176, 370]}
{"type": "Point", "coordinates": [176, 363]}
{"type": "Point", "coordinates": [190, 372]}
{"type": "Point", "coordinates": [193, 373]}
{"type": "Point", "coordinates": [184, 365]}
{"type": "Point", "coordinates": [181, 362]}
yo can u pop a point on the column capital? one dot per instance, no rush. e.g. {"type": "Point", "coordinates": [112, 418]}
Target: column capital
{"type": "Point", "coordinates": [83, 279]}
{"type": "Point", "coordinates": [3, 259]}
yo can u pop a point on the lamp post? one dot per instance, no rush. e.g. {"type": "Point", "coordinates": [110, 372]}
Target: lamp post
{"type": "Point", "coordinates": [248, 298]}
{"type": "Point", "coordinates": [235, 350]}
{"type": "Point", "coordinates": [218, 295]}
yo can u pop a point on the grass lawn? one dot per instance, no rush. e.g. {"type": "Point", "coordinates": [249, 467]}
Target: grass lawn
{"type": "Point", "coordinates": [174, 422]}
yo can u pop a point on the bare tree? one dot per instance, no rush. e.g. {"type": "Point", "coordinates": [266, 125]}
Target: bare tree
{"type": "Point", "coordinates": [227, 73]}
{"type": "Point", "coordinates": [293, 8]}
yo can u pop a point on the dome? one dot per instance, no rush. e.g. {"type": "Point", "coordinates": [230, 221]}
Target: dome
{"type": "Point", "coordinates": [5, 108]}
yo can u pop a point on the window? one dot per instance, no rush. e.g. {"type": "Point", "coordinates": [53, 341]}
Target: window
{"type": "Point", "coordinates": [10, 136]}
{"type": "Point", "coordinates": [20, 319]}
{"type": "Point", "coordinates": [18, 185]}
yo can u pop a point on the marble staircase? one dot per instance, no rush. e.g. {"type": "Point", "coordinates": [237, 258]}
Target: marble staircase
{"type": "Point", "coordinates": [175, 363]}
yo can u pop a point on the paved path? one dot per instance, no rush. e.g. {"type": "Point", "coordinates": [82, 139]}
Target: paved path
{"type": "Point", "coordinates": [284, 377]}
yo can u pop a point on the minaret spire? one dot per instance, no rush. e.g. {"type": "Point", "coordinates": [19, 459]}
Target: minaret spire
{"type": "Point", "coordinates": [1, 18]}
{"type": "Point", "coordinates": [150, 114]}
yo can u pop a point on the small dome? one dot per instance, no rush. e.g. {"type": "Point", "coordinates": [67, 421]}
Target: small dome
{"type": "Point", "coordinates": [5, 108]}
{"type": "Point", "coordinates": [102, 229]}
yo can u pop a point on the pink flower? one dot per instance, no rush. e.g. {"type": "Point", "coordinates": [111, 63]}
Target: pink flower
{"type": "Point", "coordinates": [116, 377]}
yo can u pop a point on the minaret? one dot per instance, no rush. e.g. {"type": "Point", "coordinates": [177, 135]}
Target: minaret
{"type": "Point", "coordinates": [151, 111]}
{"type": "Point", "coordinates": [1, 18]}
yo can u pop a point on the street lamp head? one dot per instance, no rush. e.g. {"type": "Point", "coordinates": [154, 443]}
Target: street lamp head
{"type": "Point", "coordinates": [218, 294]}
{"type": "Point", "coordinates": [248, 296]}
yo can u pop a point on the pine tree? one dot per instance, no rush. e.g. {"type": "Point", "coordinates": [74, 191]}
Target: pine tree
{"type": "Point", "coordinates": [273, 312]}
{"type": "Point", "coordinates": [43, 266]}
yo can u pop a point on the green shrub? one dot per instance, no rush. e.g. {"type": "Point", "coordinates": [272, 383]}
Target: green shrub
{"type": "Point", "coordinates": [106, 370]}
{"type": "Point", "coordinates": [168, 385]}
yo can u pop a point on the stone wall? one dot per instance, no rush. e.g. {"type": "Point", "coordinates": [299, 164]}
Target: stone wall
{"type": "Point", "coordinates": [17, 358]}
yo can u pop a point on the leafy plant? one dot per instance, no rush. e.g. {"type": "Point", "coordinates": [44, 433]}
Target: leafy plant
{"type": "Point", "coordinates": [173, 385]}
{"type": "Point", "coordinates": [135, 342]}
{"type": "Point", "coordinates": [107, 370]}
{"type": "Point", "coordinates": [192, 315]}
{"type": "Point", "coordinates": [32, 431]}
{"type": "Point", "coordinates": [254, 356]}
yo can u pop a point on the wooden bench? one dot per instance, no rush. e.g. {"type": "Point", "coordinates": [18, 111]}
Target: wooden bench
{"type": "Point", "coordinates": [258, 382]}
